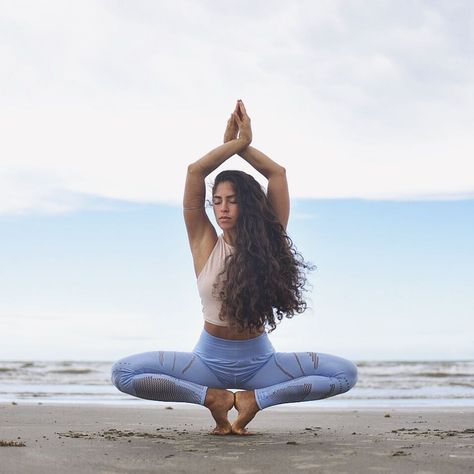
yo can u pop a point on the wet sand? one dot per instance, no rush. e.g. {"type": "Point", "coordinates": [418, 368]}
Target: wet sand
{"type": "Point", "coordinates": [113, 439]}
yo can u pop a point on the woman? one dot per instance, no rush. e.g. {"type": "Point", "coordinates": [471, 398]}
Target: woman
{"type": "Point", "coordinates": [246, 276]}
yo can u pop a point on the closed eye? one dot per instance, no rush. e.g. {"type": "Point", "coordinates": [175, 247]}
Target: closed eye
{"type": "Point", "coordinates": [216, 201]}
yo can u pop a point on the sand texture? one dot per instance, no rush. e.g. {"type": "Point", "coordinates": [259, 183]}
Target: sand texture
{"type": "Point", "coordinates": [112, 439]}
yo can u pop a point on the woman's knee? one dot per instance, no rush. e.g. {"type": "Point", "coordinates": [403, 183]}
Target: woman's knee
{"type": "Point", "coordinates": [350, 373]}
{"type": "Point", "coordinates": [124, 371]}
{"type": "Point", "coordinates": [335, 366]}
{"type": "Point", "coordinates": [121, 374]}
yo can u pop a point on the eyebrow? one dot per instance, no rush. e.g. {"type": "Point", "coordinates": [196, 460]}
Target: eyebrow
{"type": "Point", "coordinates": [229, 196]}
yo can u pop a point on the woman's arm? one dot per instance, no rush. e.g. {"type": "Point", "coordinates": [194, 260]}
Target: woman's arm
{"type": "Point", "coordinates": [277, 191]}
{"type": "Point", "coordinates": [194, 190]}
{"type": "Point", "coordinates": [201, 232]}
{"type": "Point", "coordinates": [212, 160]}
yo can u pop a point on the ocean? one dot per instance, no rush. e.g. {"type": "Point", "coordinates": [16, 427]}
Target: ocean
{"type": "Point", "coordinates": [380, 384]}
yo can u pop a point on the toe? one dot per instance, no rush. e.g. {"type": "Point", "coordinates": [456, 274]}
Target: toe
{"type": "Point", "coordinates": [240, 431]}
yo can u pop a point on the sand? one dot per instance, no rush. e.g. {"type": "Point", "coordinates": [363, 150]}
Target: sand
{"type": "Point", "coordinates": [112, 439]}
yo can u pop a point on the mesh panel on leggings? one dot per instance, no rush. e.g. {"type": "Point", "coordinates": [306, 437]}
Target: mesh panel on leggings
{"type": "Point", "coordinates": [293, 393]}
{"type": "Point", "coordinates": [162, 389]}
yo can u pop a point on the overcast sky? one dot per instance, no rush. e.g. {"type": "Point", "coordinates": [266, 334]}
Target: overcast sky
{"type": "Point", "coordinates": [356, 98]}
{"type": "Point", "coordinates": [104, 103]}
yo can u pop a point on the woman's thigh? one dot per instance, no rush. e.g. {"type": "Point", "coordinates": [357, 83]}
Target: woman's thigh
{"type": "Point", "coordinates": [286, 366]}
{"type": "Point", "coordinates": [181, 365]}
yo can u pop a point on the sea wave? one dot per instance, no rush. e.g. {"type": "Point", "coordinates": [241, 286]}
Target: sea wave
{"type": "Point", "coordinates": [435, 382]}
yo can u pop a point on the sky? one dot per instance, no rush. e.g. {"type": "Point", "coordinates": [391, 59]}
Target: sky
{"type": "Point", "coordinates": [368, 105]}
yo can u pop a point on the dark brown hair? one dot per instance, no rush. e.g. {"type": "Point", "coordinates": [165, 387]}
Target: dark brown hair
{"type": "Point", "coordinates": [264, 278]}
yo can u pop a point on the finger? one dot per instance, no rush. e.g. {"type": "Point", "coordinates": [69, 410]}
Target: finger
{"type": "Point", "coordinates": [239, 112]}
{"type": "Point", "coordinates": [237, 119]}
{"type": "Point", "coordinates": [242, 108]}
{"type": "Point", "coordinates": [242, 114]}
{"type": "Point", "coordinates": [238, 108]}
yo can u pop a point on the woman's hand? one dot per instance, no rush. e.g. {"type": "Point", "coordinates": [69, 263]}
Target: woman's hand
{"type": "Point", "coordinates": [243, 122]}
{"type": "Point", "coordinates": [232, 128]}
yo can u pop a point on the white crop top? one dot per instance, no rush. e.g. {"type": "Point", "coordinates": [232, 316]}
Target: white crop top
{"type": "Point", "coordinates": [211, 304]}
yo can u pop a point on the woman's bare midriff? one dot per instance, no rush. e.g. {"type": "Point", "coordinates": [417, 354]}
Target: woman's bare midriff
{"type": "Point", "coordinates": [228, 333]}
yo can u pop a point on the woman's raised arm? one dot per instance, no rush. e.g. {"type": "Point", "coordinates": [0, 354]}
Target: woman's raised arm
{"type": "Point", "coordinates": [277, 191]}
{"type": "Point", "coordinates": [197, 223]}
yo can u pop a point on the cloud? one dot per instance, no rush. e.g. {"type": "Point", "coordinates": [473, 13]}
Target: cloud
{"type": "Point", "coordinates": [365, 100]}
{"type": "Point", "coordinates": [30, 190]}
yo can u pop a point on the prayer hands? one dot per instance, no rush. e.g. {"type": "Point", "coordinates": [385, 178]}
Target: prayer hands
{"type": "Point", "coordinates": [238, 123]}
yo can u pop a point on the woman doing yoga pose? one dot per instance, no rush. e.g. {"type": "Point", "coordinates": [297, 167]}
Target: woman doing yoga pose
{"type": "Point", "coordinates": [249, 277]}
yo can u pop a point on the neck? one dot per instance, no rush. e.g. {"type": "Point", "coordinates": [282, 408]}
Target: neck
{"type": "Point", "coordinates": [229, 237]}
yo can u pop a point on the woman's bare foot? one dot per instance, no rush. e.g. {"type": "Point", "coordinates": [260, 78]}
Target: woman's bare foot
{"type": "Point", "coordinates": [247, 407]}
{"type": "Point", "coordinates": [219, 402]}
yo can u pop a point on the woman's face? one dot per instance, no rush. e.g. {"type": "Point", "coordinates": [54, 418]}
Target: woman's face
{"type": "Point", "coordinates": [226, 207]}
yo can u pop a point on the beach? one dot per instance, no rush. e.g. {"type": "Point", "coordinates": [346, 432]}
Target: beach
{"type": "Point", "coordinates": [74, 438]}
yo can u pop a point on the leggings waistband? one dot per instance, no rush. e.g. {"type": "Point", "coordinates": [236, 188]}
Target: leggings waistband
{"type": "Point", "coordinates": [232, 348]}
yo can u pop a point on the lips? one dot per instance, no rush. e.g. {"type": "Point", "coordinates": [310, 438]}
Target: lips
{"type": "Point", "coordinates": [225, 219]}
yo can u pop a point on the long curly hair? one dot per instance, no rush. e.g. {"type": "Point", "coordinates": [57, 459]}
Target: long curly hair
{"type": "Point", "coordinates": [264, 278]}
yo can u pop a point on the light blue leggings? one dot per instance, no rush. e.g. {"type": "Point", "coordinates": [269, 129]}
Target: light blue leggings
{"type": "Point", "coordinates": [250, 364]}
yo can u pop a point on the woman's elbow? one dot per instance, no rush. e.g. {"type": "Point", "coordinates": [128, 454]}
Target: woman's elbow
{"type": "Point", "coordinates": [194, 168]}
{"type": "Point", "coordinates": [277, 172]}
{"type": "Point", "coordinates": [281, 171]}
